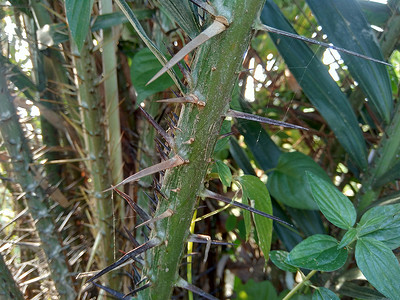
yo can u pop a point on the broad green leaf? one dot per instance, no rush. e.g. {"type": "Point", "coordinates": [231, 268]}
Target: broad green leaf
{"type": "Point", "coordinates": [383, 224]}
{"type": "Point", "coordinates": [318, 85]}
{"type": "Point", "coordinates": [392, 174]}
{"type": "Point", "coordinates": [318, 252]}
{"type": "Point", "coordinates": [224, 173]}
{"type": "Point", "coordinates": [335, 206]}
{"type": "Point", "coordinates": [346, 26]}
{"type": "Point", "coordinates": [308, 221]}
{"type": "Point", "coordinates": [18, 78]}
{"type": "Point", "coordinates": [322, 293]}
{"type": "Point", "coordinates": [182, 14]}
{"type": "Point", "coordinates": [130, 15]}
{"type": "Point", "coordinates": [78, 16]}
{"type": "Point", "coordinates": [288, 182]}
{"type": "Point", "coordinates": [353, 290]}
{"type": "Point", "coordinates": [348, 238]}
{"type": "Point", "coordinates": [240, 157]}
{"type": "Point", "coordinates": [278, 257]}
{"type": "Point", "coordinates": [256, 191]}
{"type": "Point", "coordinates": [246, 214]}
{"type": "Point", "coordinates": [143, 66]}
{"type": "Point", "coordinates": [252, 290]}
{"type": "Point", "coordinates": [379, 265]}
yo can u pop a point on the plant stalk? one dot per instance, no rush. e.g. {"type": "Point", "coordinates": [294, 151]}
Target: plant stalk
{"type": "Point", "coordinates": [37, 200]}
{"type": "Point", "coordinates": [213, 79]}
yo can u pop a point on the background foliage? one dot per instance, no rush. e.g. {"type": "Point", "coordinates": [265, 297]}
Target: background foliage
{"type": "Point", "coordinates": [73, 76]}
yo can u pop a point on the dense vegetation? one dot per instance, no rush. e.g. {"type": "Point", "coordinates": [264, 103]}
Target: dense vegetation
{"type": "Point", "coordinates": [259, 166]}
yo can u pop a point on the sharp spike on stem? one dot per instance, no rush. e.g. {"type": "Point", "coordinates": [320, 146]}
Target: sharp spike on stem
{"type": "Point", "coordinates": [251, 117]}
{"type": "Point", "coordinates": [187, 99]}
{"type": "Point", "coordinates": [141, 288]}
{"type": "Point", "coordinates": [159, 129]}
{"type": "Point", "coordinates": [166, 214]}
{"type": "Point", "coordinates": [128, 257]}
{"type": "Point", "coordinates": [199, 238]}
{"type": "Point", "coordinates": [187, 286]}
{"type": "Point", "coordinates": [113, 293]}
{"type": "Point", "coordinates": [326, 45]}
{"type": "Point", "coordinates": [168, 164]}
{"type": "Point", "coordinates": [212, 195]}
{"type": "Point", "coordinates": [131, 238]}
{"type": "Point", "coordinates": [136, 208]}
{"type": "Point", "coordinates": [215, 28]}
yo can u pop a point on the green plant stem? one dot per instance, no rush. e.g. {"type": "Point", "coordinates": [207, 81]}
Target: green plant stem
{"type": "Point", "coordinates": [8, 287]}
{"type": "Point", "coordinates": [109, 60]}
{"type": "Point", "coordinates": [37, 200]}
{"type": "Point", "coordinates": [300, 285]}
{"type": "Point", "coordinates": [214, 76]}
{"type": "Point", "coordinates": [96, 148]}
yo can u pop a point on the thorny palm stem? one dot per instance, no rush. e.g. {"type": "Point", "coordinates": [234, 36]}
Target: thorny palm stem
{"type": "Point", "coordinates": [214, 76]}
{"type": "Point", "coordinates": [96, 148]}
{"type": "Point", "coordinates": [37, 200]}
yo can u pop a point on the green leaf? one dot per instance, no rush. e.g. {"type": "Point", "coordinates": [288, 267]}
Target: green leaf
{"type": "Point", "coordinates": [318, 252]}
{"type": "Point", "coordinates": [252, 290]}
{"type": "Point", "coordinates": [182, 14]}
{"type": "Point", "coordinates": [288, 182]}
{"type": "Point", "coordinates": [240, 157]}
{"type": "Point", "coordinates": [279, 257]}
{"type": "Point", "coordinates": [256, 191]}
{"type": "Point", "coordinates": [318, 85]}
{"type": "Point", "coordinates": [346, 26]}
{"type": "Point", "coordinates": [353, 290]}
{"type": "Point", "coordinates": [335, 206]}
{"type": "Point", "coordinates": [224, 173]}
{"type": "Point", "coordinates": [78, 16]}
{"type": "Point", "coordinates": [322, 293]}
{"type": "Point", "coordinates": [392, 174]}
{"type": "Point", "coordinates": [383, 224]}
{"type": "Point", "coordinates": [143, 66]}
{"type": "Point", "coordinates": [379, 265]}
{"type": "Point", "coordinates": [348, 238]}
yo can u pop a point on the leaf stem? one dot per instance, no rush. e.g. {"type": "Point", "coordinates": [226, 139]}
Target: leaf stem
{"type": "Point", "coordinates": [300, 285]}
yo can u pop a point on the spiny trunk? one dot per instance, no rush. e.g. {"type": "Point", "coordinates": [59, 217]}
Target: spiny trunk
{"type": "Point", "coordinates": [37, 200]}
{"type": "Point", "coordinates": [213, 78]}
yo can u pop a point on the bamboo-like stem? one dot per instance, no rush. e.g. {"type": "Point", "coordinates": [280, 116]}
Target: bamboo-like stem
{"type": "Point", "coordinates": [109, 60]}
{"type": "Point", "coordinates": [8, 287]}
{"type": "Point", "coordinates": [214, 76]}
{"type": "Point", "coordinates": [37, 200]}
{"type": "Point", "coordinates": [96, 148]}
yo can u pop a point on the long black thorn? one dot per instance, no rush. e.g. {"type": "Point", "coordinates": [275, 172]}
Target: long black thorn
{"type": "Point", "coordinates": [162, 144]}
{"type": "Point", "coordinates": [251, 117]}
{"type": "Point", "coordinates": [141, 288]}
{"type": "Point", "coordinates": [131, 237]}
{"type": "Point", "coordinates": [112, 292]}
{"type": "Point", "coordinates": [157, 127]}
{"type": "Point", "coordinates": [326, 45]}
{"type": "Point", "coordinates": [163, 155]}
{"type": "Point", "coordinates": [187, 286]}
{"type": "Point", "coordinates": [129, 255]}
{"type": "Point", "coordinates": [136, 208]}
{"type": "Point", "coordinates": [175, 116]}
{"type": "Point", "coordinates": [153, 201]}
{"type": "Point", "coordinates": [212, 195]}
